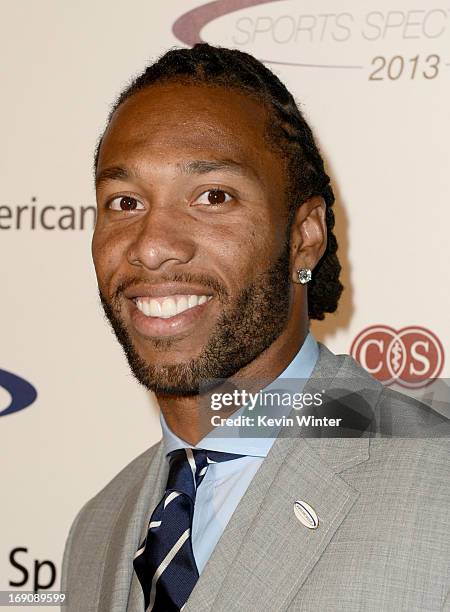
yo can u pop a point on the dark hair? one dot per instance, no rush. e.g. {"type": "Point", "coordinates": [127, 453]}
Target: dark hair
{"type": "Point", "coordinates": [287, 131]}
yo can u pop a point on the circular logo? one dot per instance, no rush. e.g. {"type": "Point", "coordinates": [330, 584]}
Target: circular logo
{"type": "Point", "coordinates": [18, 391]}
{"type": "Point", "coordinates": [412, 356]}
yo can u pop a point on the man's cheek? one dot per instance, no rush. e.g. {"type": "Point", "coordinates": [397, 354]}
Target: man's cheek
{"type": "Point", "coordinates": [107, 255]}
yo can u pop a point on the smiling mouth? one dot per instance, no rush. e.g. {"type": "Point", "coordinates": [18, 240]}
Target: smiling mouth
{"type": "Point", "coordinates": [166, 307]}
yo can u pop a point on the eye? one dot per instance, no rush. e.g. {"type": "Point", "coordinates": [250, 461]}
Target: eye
{"type": "Point", "coordinates": [125, 203]}
{"type": "Point", "coordinates": [214, 197]}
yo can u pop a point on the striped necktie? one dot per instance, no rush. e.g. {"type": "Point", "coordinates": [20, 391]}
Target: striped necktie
{"type": "Point", "coordinates": [164, 562]}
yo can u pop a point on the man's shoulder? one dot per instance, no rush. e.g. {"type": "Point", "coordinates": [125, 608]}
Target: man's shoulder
{"type": "Point", "coordinates": [95, 520]}
{"type": "Point", "coordinates": [90, 533]}
{"type": "Point", "coordinates": [130, 476]}
{"type": "Point", "coordinates": [109, 499]}
{"type": "Point", "coordinates": [396, 414]}
{"type": "Point", "coordinates": [403, 415]}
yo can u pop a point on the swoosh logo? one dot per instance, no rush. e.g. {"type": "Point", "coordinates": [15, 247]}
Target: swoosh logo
{"type": "Point", "coordinates": [187, 28]}
{"type": "Point", "coordinates": [22, 392]}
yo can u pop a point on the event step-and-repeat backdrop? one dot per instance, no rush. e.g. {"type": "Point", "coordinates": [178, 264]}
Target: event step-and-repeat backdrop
{"type": "Point", "coordinates": [373, 79]}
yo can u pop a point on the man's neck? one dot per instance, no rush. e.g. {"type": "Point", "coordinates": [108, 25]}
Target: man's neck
{"type": "Point", "coordinates": [185, 415]}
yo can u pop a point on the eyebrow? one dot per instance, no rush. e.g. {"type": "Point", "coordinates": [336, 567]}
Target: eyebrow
{"type": "Point", "coordinates": [193, 167]}
{"type": "Point", "coordinates": [199, 166]}
{"type": "Point", "coordinates": [115, 173]}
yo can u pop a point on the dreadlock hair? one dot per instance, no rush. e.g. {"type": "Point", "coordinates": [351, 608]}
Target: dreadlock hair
{"type": "Point", "coordinates": [286, 131]}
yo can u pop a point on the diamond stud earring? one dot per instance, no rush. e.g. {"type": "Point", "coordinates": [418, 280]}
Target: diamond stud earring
{"type": "Point", "coordinates": [304, 275]}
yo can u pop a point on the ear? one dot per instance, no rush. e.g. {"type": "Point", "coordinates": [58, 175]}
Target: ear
{"type": "Point", "coordinates": [308, 235]}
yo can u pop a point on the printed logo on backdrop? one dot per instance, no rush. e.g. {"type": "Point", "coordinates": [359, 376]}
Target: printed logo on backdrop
{"type": "Point", "coordinates": [405, 43]}
{"type": "Point", "coordinates": [37, 215]}
{"type": "Point", "coordinates": [16, 393]}
{"type": "Point", "coordinates": [31, 573]}
{"type": "Point", "coordinates": [411, 357]}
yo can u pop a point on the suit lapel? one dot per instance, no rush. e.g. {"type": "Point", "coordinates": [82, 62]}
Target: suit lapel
{"type": "Point", "coordinates": [129, 529]}
{"type": "Point", "coordinates": [265, 553]}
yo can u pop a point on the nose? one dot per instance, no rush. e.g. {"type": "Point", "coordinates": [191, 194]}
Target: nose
{"type": "Point", "coordinates": [163, 237]}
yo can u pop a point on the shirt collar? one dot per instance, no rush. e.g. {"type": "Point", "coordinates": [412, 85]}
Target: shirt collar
{"type": "Point", "coordinates": [299, 368]}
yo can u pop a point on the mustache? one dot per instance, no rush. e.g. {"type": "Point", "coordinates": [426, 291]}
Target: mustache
{"type": "Point", "coordinates": [203, 280]}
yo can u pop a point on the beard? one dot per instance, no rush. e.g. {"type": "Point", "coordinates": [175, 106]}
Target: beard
{"type": "Point", "coordinates": [244, 330]}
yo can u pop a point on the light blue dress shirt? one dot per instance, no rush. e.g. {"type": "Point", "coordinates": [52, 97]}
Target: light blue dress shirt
{"type": "Point", "coordinates": [225, 483]}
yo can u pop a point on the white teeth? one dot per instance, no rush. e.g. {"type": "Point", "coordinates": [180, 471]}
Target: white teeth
{"type": "Point", "coordinates": [182, 304]}
{"type": "Point", "coordinates": [154, 309]}
{"type": "Point", "coordinates": [169, 306]}
{"type": "Point", "coordinates": [193, 300]}
{"type": "Point", "coordinates": [143, 306]}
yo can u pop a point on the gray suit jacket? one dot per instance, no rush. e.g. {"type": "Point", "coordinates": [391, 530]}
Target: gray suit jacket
{"type": "Point", "coordinates": [383, 503]}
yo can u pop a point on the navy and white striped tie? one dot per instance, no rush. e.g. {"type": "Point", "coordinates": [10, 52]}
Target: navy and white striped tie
{"type": "Point", "coordinates": [164, 562]}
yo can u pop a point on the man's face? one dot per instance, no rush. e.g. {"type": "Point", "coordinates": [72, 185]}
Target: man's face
{"type": "Point", "coordinates": [190, 246]}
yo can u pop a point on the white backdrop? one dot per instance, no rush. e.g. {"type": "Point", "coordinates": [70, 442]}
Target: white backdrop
{"type": "Point", "coordinates": [374, 82]}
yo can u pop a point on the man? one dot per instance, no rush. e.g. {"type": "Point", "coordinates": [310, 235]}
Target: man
{"type": "Point", "coordinates": [213, 248]}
